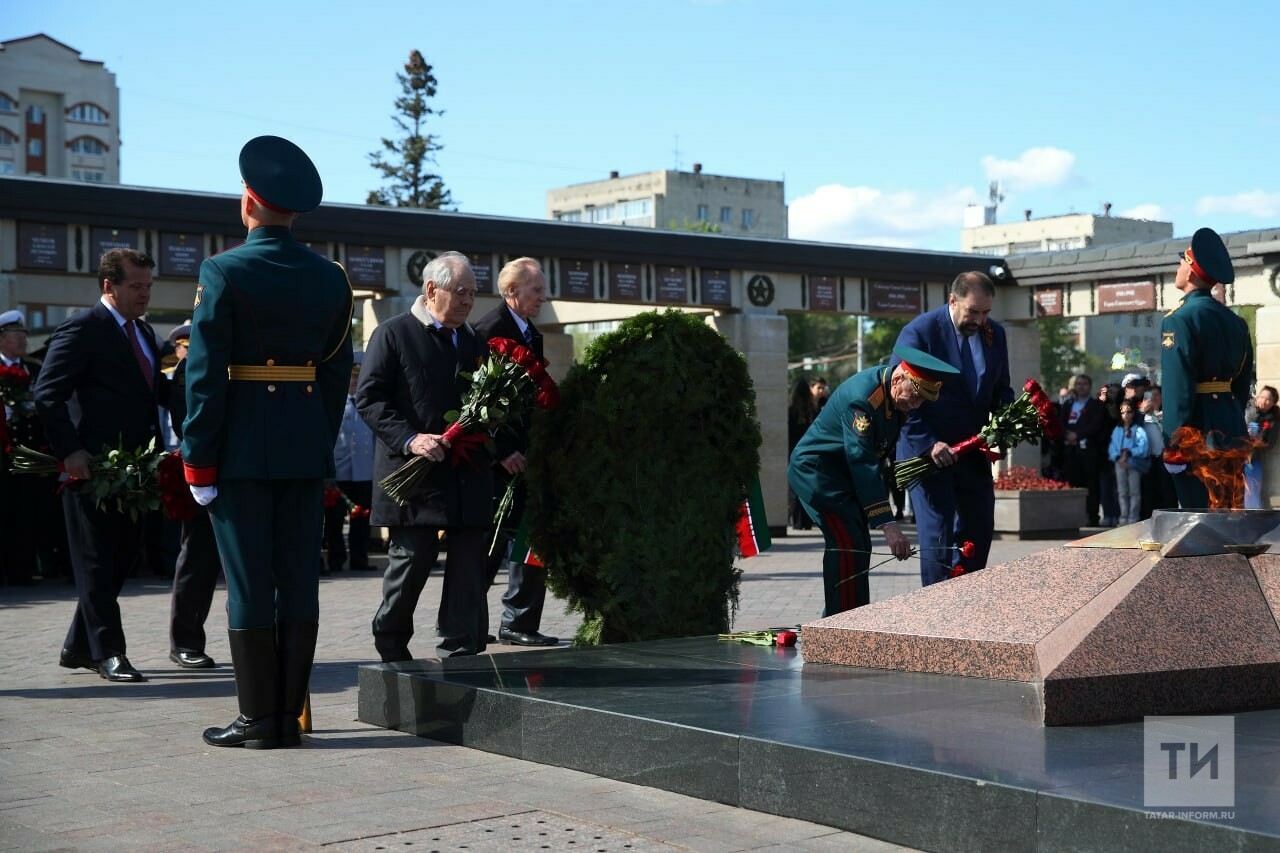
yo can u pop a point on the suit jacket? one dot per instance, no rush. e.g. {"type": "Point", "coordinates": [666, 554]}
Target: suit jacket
{"type": "Point", "coordinates": [91, 395]}
{"type": "Point", "coordinates": [500, 323]}
{"type": "Point", "coordinates": [270, 300]}
{"type": "Point", "coordinates": [410, 378]}
{"type": "Point", "coordinates": [958, 413]}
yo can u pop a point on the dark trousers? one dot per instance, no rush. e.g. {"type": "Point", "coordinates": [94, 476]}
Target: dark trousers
{"type": "Point", "coordinates": [847, 557]}
{"type": "Point", "coordinates": [194, 580]}
{"type": "Point", "coordinates": [357, 544]}
{"type": "Point", "coordinates": [1082, 472]}
{"type": "Point", "coordinates": [955, 505]}
{"type": "Point", "coordinates": [18, 525]}
{"type": "Point", "coordinates": [526, 592]}
{"type": "Point", "coordinates": [463, 615]}
{"type": "Point", "coordinates": [104, 547]}
{"type": "Point", "coordinates": [259, 525]}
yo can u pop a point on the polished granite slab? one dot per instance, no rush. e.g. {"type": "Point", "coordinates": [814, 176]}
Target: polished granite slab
{"type": "Point", "coordinates": [924, 760]}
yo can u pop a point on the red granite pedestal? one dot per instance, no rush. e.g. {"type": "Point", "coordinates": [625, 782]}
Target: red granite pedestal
{"type": "Point", "coordinates": [1106, 634]}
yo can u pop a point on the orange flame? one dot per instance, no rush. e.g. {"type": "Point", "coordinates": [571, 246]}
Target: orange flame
{"type": "Point", "coordinates": [1221, 470]}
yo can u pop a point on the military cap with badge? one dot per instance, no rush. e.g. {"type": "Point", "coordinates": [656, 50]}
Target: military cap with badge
{"type": "Point", "coordinates": [925, 371]}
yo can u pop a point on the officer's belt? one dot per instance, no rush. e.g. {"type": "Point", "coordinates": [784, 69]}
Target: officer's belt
{"type": "Point", "coordinates": [270, 373]}
{"type": "Point", "coordinates": [1213, 387]}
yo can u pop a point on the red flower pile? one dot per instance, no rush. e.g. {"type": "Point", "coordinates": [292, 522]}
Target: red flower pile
{"type": "Point", "coordinates": [1021, 479]}
{"type": "Point", "coordinates": [15, 392]}
{"type": "Point", "coordinates": [1025, 419]}
{"type": "Point", "coordinates": [175, 496]}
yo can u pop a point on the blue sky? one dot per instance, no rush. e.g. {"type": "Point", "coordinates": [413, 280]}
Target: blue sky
{"type": "Point", "coordinates": [883, 119]}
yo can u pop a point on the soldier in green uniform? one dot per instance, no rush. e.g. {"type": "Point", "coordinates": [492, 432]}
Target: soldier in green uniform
{"type": "Point", "coordinates": [835, 468]}
{"type": "Point", "coordinates": [267, 374]}
{"type": "Point", "coordinates": [1206, 363]}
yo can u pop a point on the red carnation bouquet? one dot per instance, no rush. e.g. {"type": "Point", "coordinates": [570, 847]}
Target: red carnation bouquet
{"type": "Point", "coordinates": [505, 388]}
{"type": "Point", "coordinates": [132, 482]}
{"type": "Point", "coordinates": [334, 496]}
{"type": "Point", "coordinates": [15, 394]}
{"type": "Point", "coordinates": [1025, 419]}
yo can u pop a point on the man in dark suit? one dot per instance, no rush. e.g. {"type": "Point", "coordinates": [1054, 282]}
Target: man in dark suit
{"type": "Point", "coordinates": [266, 379]}
{"type": "Point", "coordinates": [957, 504]}
{"type": "Point", "coordinates": [1083, 420]}
{"type": "Point", "coordinates": [409, 380]}
{"type": "Point", "coordinates": [195, 575]}
{"type": "Point", "coordinates": [523, 288]}
{"type": "Point", "coordinates": [99, 389]}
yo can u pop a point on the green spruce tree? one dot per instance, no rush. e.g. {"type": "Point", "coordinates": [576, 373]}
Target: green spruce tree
{"type": "Point", "coordinates": [405, 162]}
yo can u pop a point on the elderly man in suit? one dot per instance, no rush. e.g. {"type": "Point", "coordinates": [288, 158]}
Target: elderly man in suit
{"type": "Point", "coordinates": [957, 504]}
{"type": "Point", "coordinates": [267, 375]}
{"type": "Point", "coordinates": [523, 288]}
{"type": "Point", "coordinates": [99, 389]}
{"type": "Point", "coordinates": [410, 378]}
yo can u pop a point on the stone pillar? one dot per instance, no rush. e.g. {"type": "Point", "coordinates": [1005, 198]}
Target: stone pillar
{"type": "Point", "coordinates": [1024, 364]}
{"type": "Point", "coordinates": [762, 338]}
{"type": "Point", "coordinates": [1267, 369]}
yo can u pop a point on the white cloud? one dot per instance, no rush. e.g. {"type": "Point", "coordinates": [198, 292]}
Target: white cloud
{"type": "Point", "coordinates": [1152, 212]}
{"type": "Point", "coordinates": [1036, 168]}
{"type": "Point", "coordinates": [904, 219]}
{"type": "Point", "coordinates": [1256, 203]}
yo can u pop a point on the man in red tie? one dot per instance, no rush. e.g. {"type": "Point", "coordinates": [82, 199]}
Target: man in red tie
{"type": "Point", "coordinates": [99, 389]}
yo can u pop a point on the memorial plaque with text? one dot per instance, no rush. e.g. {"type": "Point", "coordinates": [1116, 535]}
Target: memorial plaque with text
{"type": "Point", "coordinates": [1130, 296]}
{"type": "Point", "coordinates": [715, 288]}
{"type": "Point", "coordinates": [673, 284]}
{"type": "Point", "coordinates": [367, 266]}
{"type": "Point", "coordinates": [42, 247]}
{"type": "Point", "coordinates": [625, 282]}
{"type": "Point", "coordinates": [482, 266]}
{"type": "Point", "coordinates": [577, 281]}
{"type": "Point", "coordinates": [889, 297]}
{"type": "Point", "coordinates": [103, 240]}
{"type": "Point", "coordinates": [1049, 302]}
{"type": "Point", "coordinates": [823, 292]}
{"type": "Point", "coordinates": [181, 254]}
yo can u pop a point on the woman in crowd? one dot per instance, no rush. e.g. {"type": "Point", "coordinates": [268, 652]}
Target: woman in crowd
{"type": "Point", "coordinates": [1261, 418]}
{"type": "Point", "coordinates": [1130, 452]}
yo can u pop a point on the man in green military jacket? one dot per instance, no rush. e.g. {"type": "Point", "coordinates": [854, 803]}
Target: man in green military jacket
{"type": "Point", "coordinates": [1206, 364]}
{"type": "Point", "coordinates": [835, 468]}
{"type": "Point", "coordinates": [267, 375]}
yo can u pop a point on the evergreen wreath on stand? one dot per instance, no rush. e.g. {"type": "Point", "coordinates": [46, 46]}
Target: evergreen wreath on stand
{"type": "Point", "coordinates": [637, 477]}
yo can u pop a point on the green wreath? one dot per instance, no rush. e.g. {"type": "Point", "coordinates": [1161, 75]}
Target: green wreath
{"type": "Point", "coordinates": [637, 476]}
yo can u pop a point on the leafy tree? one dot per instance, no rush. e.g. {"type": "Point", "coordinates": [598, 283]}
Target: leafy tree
{"type": "Point", "coordinates": [1060, 354]}
{"type": "Point", "coordinates": [404, 162]}
{"type": "Point", "coordinates": [832, 342]}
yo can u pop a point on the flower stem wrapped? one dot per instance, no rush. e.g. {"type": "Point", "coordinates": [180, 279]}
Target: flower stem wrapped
{"type": "Point", "coordinates": [1025, 419]}
{"type": "Point", "coordinates": [504, 389]}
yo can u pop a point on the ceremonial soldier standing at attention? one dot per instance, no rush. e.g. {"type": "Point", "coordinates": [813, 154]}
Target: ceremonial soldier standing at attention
{"type": "Point", "coordinates": [1206, 363]}
{"type": "Point", "coordinates": [267, 376]}
{"type": "Point", "coordinates": [835, 469]}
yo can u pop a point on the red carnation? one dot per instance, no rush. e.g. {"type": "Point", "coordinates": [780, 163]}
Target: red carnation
{"type": "Point", "coordinates": [956, 571]}
{"type": "Point", "coordinates": [785, 638]}
{"type": "Point", "coordinates": [968, 549]}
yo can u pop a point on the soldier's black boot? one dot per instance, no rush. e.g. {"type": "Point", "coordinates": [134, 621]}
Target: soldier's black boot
{"type": "Point", "coordinates": [253, 654]}
{"type": "Point", "coordinates": [297, 650]}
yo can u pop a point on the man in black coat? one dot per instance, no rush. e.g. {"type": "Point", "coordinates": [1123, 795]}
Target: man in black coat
{"type": "Point", "coordinates": [99, 389]}
{"type": "Point", "coordinates": [523, 288]}
{"type": "Point", "coordinates": [409, 380]}
{"type": "Point", "coordinates": [195, 575]}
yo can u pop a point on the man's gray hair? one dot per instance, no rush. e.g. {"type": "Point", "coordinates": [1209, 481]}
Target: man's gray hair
{"type": "Point", "coordinates": [443, 267]}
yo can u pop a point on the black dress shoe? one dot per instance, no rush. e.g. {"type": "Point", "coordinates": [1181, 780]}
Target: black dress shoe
{"type": "Point", "coordinates": [118, 668]}
{"type": "Point", "coordinates": [262, 733]}
{"type": "Point", "coordinates": [520, 638]}
{"type": "Point", "coordinates": [191, 660]}
{"type": "Point", "coordinates": [74, 660]}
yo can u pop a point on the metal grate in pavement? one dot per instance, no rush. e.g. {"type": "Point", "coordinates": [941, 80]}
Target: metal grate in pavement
{"type": "Point", "coordinates": [526, 831]}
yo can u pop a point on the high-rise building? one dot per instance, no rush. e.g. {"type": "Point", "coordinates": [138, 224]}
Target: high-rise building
{"type": "Point", "coordinates": [674, 199]}
{"type": "Point", "coordinates": [59, 114]}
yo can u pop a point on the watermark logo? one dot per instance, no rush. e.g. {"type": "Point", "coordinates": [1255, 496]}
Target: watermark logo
{"type": "Point", "coordinates": [1189, 762]}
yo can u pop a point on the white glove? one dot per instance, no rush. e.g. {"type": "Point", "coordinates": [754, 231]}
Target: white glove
{"type": "Point", "coordinates": [204, 495]}
{"type": "Point", "coordinates": [1174, 468]}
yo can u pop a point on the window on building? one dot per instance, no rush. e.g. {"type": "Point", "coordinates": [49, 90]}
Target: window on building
{"type": "Point", "coordinates": [90, 113]}
{"type": "Point", "coordinates": [631, 210]}
{"type": "Point", "coordinates": [35, 115]}
{"type": "Point", "coordinates": [6, 167]}
{"type": "Point", "coordinates": [748, 217]}
{"type": "Point", "coordinates": [569, 216]}
{"type": "Point", "coordinates": [35, 148]}
{"type": "Point", "coordinates": [89, 176]}
{"type": "Point", "coordinates": [8, 105]}
{"type": "Point", "coordinates": [603, 214]}
{"type": "Point", "coordinates": [8, 137]}
{"type": "Point", "coordinates": [87, 145]}
{"type": "Point", "coordinates": [726, 215]}
{"type": "Point", "coordinates": [703, 212]}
